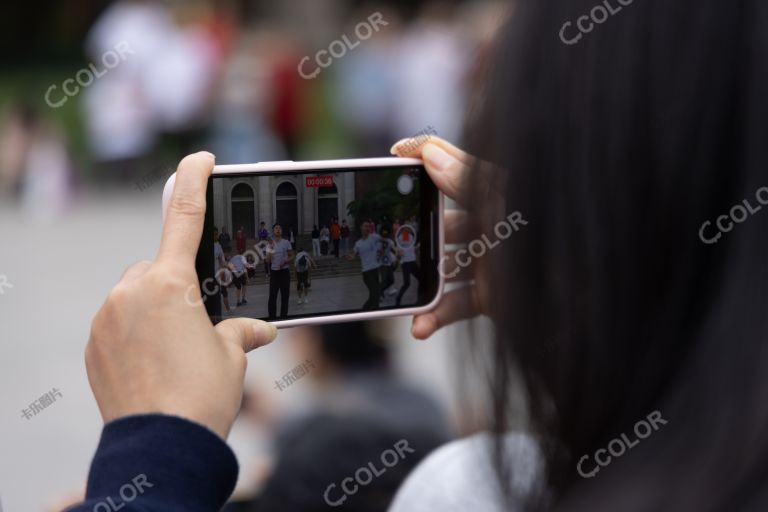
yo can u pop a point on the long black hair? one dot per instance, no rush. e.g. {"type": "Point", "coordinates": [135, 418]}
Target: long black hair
{"type": "Point", "coordinates": [612, 301]}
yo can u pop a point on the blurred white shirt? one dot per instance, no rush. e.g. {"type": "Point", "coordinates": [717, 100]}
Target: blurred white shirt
{"type": "Point", "coordinates": [161, 83]}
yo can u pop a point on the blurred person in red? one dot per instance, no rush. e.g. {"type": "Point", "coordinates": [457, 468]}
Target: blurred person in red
{"type": "Point", "coordinates": [241, 240]}
{"type": "Point", "coordinates": [288, 114]}
{"type": "Point", "coordinates": [244, 100]}
{"type": "Point", "coordinates": [335, 231]}
{"type": "Point", "coordinates": [365, 93]}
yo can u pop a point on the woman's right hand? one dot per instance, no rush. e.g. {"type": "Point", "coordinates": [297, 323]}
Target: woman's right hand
{"type": "Point", "coordinates": [449, 168]}
{"type": "Point", "coordinates": [154, 351]}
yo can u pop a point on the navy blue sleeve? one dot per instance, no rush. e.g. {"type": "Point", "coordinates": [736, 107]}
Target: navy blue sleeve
{"type": "Point", "coordinates": [159, 463]}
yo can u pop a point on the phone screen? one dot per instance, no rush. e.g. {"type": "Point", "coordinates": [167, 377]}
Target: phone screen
{"type": "Point", "coordinates": [317, 243]}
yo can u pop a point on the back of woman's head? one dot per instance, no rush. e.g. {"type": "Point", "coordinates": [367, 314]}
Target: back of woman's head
{"type": "Point", "coordinates": [636, 286]}
{"type": "Point", "coordinates": [352, 347]}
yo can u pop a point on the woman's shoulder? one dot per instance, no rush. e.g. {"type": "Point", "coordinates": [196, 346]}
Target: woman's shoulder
{"type": "Point", "coordinates": [460, 476]}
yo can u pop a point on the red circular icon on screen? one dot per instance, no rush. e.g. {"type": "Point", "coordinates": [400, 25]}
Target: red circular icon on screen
{"type": "Point", "coordinates": [405, 236]}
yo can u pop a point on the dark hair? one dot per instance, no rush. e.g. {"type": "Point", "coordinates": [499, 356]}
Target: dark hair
{"type": "Point", "coordinates": [351, 345]}
{"type": "Point", "coordinates": [616, 150]}
{"type": "Point", "coordinates": [310, 468]}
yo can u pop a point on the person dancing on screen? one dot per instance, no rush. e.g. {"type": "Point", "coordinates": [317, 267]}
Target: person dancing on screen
{"type": "Point", "coordinates": [304, 263]}
{"type": "Point", "coordinates": [262, 245]}
{"type": "Point", "coordinates": [410, 268]}
{"type": "Point", "coordinates": [369, 250]}
{"type": "Point", "coordinates": [279, 255]}
{"type": "Point", "coordinates": [239, 267]}
{"type": "Point", "coordinates": [388, 260]}
{"type": "Point", "coordinates": [219, 264]}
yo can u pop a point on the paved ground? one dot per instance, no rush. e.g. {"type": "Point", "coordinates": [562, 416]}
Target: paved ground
{"type": "Point", "coordinates": [61, 269]}
{"type": "Point", "coordinates": [327, 294]}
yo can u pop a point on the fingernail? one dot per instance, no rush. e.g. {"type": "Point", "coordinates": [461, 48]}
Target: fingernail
{"type": "Point", "coordinates": [436, 157]}
{"type": "Point", "coordinates": [210, 155]}
{"type": "Point", "coordinates": [395, 149]}
{"type": "Point", "coordinates": [264, 329]}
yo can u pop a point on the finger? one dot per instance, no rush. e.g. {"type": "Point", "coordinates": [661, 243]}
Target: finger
{"type": "Point", "coordinates": [456, 226]}
{"type": "Point", "coordinates": [410, 148]}
{"type": "Point", "coordinates": [186, 211]}
{"type": "Point", "coordinates": [456, 266]}
{"type": "Point", "coordinates": [455, 305]}
{"type": "Point", "coordinates": [136, 270]}
{"type": "Point", "coordinates": [247, 333]}
{"type": "Point", "coordinates": [449, 173]}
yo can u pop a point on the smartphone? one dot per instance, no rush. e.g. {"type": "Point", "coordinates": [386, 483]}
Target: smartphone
{"type": "Point", "coordinates": [299, 243]}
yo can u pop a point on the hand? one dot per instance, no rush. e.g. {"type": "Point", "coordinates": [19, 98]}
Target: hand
{"type": "Point", "coordinates": [151, 350]}
{"type": "Point", "coordinates": [449, 169]}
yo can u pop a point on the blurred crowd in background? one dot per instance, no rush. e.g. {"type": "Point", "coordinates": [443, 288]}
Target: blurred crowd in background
{"type": "Point", "coordinates": [124, 89]}
{"type": "Point", "coordinates": [99, 99]}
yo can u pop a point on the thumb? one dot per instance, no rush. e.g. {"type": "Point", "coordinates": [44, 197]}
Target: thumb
{"type": "Point", "coordinates": [246, 333]}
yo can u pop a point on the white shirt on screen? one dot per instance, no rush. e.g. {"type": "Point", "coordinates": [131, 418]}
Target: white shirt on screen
{"type": "Point", "coordinates": [409, 254]}
{"type": "Point", "coordinates": [279, 251]}
{"type": "Point", "coordinates": [218, 255]}
{"type": "Point", "coordinates": [238, 264]}
{"type": "Point", "coordinates": [368, 249]}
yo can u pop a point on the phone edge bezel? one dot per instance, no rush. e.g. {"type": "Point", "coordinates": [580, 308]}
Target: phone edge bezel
{"type": "Point", "coordinates": [288, 167]}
